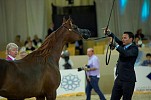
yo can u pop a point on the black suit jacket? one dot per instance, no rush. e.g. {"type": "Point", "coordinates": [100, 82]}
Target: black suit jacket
{"type": "Point", "coordinates": [126, 61]}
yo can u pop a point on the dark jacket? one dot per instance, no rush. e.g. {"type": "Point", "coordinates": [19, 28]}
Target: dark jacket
{"type": "Point", "coordinates": [126, 61]}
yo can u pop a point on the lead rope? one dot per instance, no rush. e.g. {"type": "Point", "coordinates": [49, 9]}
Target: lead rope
{"type": "Point", "coordinates": [110, 44]}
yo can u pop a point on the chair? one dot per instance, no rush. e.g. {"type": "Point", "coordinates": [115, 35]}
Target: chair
{"type": "Point", "coordinates": [71, 50]}
{"type": "Point", "coordinates": [3, 54]}
{"type": "Point", "coordinates": [99, 49]}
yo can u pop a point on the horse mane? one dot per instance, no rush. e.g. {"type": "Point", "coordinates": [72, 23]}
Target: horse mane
{"type": "Point", "coordinates": [47, 45]}
{"type": "Point", "coordinates": [45, 48]}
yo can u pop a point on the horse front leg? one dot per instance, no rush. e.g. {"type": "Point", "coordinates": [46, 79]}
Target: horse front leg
{"type": "Point", "coordinates": [40, 98]}
{"type": "Point", "coordinates": [51, 96]}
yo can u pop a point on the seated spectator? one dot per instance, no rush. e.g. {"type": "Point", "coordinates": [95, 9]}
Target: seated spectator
{"type": "Point", "coordinates": [18, 41]}
{"type": "Point", "coordinates": [11, 51]}
{"type": "Point", "coordinates": [147, 62]}
{"type": "Point", "coordinates": [139, 58]}
{"type": "Point", "coordinates": [64, 61]}
{"type": "Point", "coordinates": [149, 44]}
{"type": "Point", "coordinates": [79, 46]}
{"type": "Point", "coordinates": [28, 39]}
{"type": "Point", "coordinates": [37, 41]}
{"type": "Point", "coordinates": [50, 29]}
{"type": "Point", "coordinates": [29, 47]}
{"type": "Point", "coordinates": [22, 52]}
{"type": "Point", "coordinates": [138, 42]}
{"type": "Point", "coordinates": [139, 34]}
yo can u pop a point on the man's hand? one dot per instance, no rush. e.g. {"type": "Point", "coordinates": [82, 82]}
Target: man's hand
{"type": "Point", "coordinates": [106, 31]}
{"type": "Point", "coordinates": [86, 69]}
{"type": "Point", "coordinates": [88, 78]}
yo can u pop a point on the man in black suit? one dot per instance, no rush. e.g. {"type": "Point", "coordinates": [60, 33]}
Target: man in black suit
{"type": "Point", "coordinates": [125, 81]}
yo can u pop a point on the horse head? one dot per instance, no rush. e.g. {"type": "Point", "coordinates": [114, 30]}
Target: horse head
{"type": "Point", "coordinates": [74, 33]}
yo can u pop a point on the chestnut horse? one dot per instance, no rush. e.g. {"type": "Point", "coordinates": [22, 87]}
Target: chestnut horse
{"type": "Point", "coordinates": [37, 75]}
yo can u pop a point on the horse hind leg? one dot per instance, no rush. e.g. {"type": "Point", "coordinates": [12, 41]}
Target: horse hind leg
{"type": "Point", "coordinates": [51, 96]}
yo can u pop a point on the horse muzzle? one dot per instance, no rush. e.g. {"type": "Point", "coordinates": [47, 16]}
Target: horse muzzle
{"type": "Point", "coordinates": [85, 33]}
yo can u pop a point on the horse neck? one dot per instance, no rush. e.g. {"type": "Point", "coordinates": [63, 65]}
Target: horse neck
{"type": "Point", "coordinates": [53, 44]}
{"type": "Point", "coordinates": [55, 53]}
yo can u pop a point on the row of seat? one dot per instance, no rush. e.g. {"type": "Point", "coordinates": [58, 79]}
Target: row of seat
{"type": "Point", "coordinates": [98, 46]}
{"type": "Point", "coordinates": [3, 54]}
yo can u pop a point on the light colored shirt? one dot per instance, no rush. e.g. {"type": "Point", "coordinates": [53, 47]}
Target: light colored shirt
{"type": "Point", "coordinates": [127, 45]}
{"type": "Point", "coordinates": [11, 57]}
{"type": "Point", "coordinates": [124, 46]}
{"type": "Point", "coordinates": [93, 62]}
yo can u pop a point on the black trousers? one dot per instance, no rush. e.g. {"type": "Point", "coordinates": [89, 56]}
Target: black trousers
{"type": "Point", "coordinates": [122, 88]}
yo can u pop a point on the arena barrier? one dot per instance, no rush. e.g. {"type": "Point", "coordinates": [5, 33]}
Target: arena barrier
{"type": "Point", "coordinates": [72, 82]}
{"type": "Point", "coordinates": [143, 78]}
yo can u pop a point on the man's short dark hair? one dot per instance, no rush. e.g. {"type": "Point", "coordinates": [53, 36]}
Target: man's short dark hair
{"type": "Point", "coordinates": [148, 54]}
{"type": "Point", "coordinates": [130, 34]}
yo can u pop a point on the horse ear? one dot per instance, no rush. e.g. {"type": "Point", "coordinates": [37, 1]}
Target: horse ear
{"type": "Point", "coordinates": [70, 20]}
{"type": "Point", "coordinates": [64, 19]}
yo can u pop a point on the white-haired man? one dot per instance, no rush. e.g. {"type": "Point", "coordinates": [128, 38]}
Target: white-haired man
{"type": "Point", "coordinates": [11, 51]}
